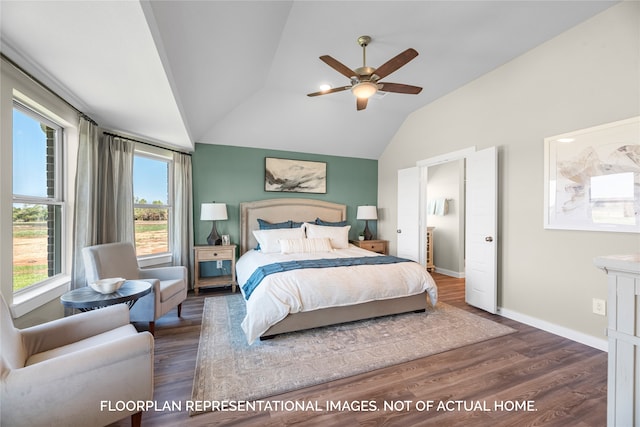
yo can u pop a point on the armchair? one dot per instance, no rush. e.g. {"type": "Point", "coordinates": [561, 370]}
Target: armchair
{"type": "Point", "coordinates": [60, 373]}
{"type": "Point", "coordinates": [119, 260]}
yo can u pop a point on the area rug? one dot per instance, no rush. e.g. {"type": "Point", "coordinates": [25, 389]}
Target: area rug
{"type": "Point", "coordinates": [229, 369]}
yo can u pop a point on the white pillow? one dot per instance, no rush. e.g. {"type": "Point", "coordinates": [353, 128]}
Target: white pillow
{"type": "Point", "coordinates": [292, 246]}
{"type": "Point", "coordinates": [339, 236]}
{"type": "Point", "coordinates": [268, 239]}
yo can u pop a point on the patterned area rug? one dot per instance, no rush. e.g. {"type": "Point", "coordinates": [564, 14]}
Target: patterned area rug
{"type": "Point", "coordinates": [228, 369]}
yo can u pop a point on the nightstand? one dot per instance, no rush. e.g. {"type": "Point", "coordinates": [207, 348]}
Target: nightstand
{"type": "Point", "coordinates": [379, 246]}
{"type": "Point", "coordinates": [214, 253]}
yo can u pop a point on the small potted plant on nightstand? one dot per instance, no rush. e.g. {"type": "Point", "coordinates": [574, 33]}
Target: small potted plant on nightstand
{"type": "Point", "coordinates": [361, 235]}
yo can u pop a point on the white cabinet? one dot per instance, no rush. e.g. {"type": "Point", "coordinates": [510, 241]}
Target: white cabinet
{"type": "Point", "coordinates": [623, 384]}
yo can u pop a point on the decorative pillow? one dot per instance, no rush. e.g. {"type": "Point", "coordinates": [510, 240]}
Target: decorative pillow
{"type": "Point", "coordinates": [339, 236]}
{"type": "Point", "coordinates": [330, 224]}
{"type": "Point", "coordinates": [292, 246]}
{"type": "Point", "coordinates": [268, 239]}
{"type": "Point", "coordinates": [265, 225]}
{"type": "Point", "coordinates": [295, 224]}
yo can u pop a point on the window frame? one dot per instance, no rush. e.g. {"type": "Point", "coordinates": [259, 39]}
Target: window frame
{"type": "Point", "coordinates": [28, 307]}
{"type": "Point", "coordinates": [162, 155]}
{"type": "Point", "coordinates": [58, 198]}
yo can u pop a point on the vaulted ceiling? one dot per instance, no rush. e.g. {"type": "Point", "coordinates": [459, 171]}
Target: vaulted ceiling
{"type": "Point", "coordinates": [237, 72]}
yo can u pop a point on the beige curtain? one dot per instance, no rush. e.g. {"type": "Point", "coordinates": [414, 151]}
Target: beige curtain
{"type": "Point", "coordinates": [182, 236]}
{"type": "Point", "coordinates": [86, 207]}
{"type": "Point", "coordinates": [103, 193]}
{"type": "Point", "coordinates": [116, 190]}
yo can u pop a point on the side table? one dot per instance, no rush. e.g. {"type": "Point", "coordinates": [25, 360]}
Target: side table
{"type": "Point", "coordinates": [85, 298]}
{"type": "Point", "coordinates": [214, 253]}
{"type": "Point", "coordinates": [379, 246]}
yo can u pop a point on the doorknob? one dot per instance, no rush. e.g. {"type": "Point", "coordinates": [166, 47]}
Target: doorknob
{"type": "Point", "coordinates": [398, 231]}
{"type": "Point", "coordinates": [488, 239]}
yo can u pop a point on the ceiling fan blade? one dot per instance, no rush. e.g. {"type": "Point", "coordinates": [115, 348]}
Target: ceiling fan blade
{"type": "Point", "coordinates": [324, 92]}
{"type": "Point", "coordinates": [396, 62]}
{"type": "Point", "coordinates": [338, 66]}
{"type": "Point", "coordinates": [361, 103]}
{"type": "Point", "coordinates": [399, 88]}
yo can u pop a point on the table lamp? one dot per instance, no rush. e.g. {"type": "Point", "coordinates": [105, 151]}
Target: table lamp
{"type": "Point", "coordinates": [367, 213]}
{"type": "Point", "coordinates": [213, 212]}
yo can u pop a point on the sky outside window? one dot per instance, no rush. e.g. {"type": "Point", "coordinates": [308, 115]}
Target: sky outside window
{"type": "Point", "coordinates": [29, 156]}
{"type": "Point", "coordinates": [150, 180]}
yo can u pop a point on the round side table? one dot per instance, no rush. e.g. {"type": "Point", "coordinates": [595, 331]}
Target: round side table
{"type": "Point", "coordinates": [85, 299]}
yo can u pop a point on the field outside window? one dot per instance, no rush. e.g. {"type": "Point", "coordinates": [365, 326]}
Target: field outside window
{"type": "Point", "coordinates": [152, 209]}
{"type": "Point", "coordinates": [37, 199]}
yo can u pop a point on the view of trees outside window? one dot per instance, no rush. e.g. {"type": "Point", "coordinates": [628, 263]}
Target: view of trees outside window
{"type": "Point", "coordinates": [37, 201]}
{"type": "Point", "coordinates": [151, 204]}
{"type": "Point", "coordinates": [38, 204]}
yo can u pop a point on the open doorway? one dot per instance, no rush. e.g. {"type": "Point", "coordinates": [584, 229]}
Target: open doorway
{"type": "Point", "coordinates": [443, 178]}
{"type": "Point", "coordinates": [480, 215]}
{"type": "Point", "coordinates": [445, 209]}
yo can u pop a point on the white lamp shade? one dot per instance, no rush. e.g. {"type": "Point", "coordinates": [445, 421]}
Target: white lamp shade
{"type": "Point", "coordinates": [367, 212]}
{"type": "Point", "coordinates": [213, 211]}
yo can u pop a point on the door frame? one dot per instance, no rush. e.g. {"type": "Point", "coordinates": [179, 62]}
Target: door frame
{"type": "Point", "coordinates": [423, 165]}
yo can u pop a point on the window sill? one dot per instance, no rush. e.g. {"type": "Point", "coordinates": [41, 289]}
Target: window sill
{"type": "Point", "coordinates": [155, 260]}
{"type": "Point", "coordinates": [32, 299]}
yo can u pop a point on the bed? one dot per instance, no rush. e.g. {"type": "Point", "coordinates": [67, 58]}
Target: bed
{"type": "Point", "coordinates": [286, 301]}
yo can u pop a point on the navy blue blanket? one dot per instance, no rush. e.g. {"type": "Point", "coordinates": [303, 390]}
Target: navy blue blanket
{"type": "Point", "coordinates": [278, 267]}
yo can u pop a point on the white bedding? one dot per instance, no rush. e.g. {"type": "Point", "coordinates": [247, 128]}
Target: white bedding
{"type": "Point", "coordinates": [310, 289]}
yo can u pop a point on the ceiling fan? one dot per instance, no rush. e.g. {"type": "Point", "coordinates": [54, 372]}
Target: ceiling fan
{"type": "Point", "coordinates": [365, 81]}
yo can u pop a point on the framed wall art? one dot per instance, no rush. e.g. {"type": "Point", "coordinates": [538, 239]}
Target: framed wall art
{"type": "Point", "coordinates": [592, 178]}
{"type": "Point", "coordinates": [295, 176]}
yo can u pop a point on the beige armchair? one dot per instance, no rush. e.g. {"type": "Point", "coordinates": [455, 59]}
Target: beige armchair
{"type": "Point", "coordinates": [119, 260]}
{"type": "Point", "coordinates": [65, 372]}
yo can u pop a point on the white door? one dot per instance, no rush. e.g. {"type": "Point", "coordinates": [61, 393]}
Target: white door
{"type": "Point", "coordinates": [408, 230]}
{"type": "Point", "coordinates": [481, 278]}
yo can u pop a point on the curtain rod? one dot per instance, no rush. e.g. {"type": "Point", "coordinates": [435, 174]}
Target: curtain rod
{"type": "Point", "coordinates": [146, 143]}
{"type": "Point", "coordinates": [45, 87]}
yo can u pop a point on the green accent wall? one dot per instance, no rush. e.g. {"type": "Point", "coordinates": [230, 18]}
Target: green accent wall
{"type": "Point", "coordinates": [231, 175]}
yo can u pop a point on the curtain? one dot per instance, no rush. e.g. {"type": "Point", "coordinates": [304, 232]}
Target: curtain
{"type": "Point", "coordinates": [85, 215]}
{"type": "Point", "coordinates": [116, 190]}
{"type": "Point", "coordinates": [182, 235]}
{"type": "Point", "coordinates": [103, 194]}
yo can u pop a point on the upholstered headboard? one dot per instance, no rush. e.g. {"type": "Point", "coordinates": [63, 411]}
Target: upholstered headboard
{"type": "Point", "coordinates": [279, 210]}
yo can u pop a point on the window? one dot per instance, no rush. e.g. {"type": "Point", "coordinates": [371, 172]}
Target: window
{"type": "Point", "coordinates": [152, 203]}
{"type": "Point", "coordinates": [38, 206]}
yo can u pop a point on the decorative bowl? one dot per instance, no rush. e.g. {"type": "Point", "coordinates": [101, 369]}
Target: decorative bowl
{"type": "Point", "coordinates": [107, 286]}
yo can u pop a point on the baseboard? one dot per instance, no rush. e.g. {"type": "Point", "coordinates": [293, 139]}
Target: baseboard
{"type": "Point", "coordinates": [591, 341]}
{"type": "Point", "coordinates": [450, 273]}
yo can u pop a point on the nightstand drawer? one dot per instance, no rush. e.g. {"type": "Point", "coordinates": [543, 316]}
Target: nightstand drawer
{"type": "Point", "coordinates": [373, 247]}
{"type": "Point", "coordinates": [214, 254]}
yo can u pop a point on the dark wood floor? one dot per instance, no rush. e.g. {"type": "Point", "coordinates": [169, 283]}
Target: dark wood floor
{"type": "Point", "coordinates": [563, 381]}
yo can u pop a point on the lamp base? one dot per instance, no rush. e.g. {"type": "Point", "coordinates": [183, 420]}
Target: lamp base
{"type": "Point", "coordinates": [214, 239]}
{"type": "Point", "coordinates": [367, 233]}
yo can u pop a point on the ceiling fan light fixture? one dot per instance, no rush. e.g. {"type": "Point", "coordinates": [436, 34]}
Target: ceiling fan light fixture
{"type": "Point", "coordinates": [364, 90]}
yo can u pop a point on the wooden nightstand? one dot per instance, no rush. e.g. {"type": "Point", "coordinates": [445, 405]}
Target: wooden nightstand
{"type": "Point", "coordinates": [379, 246]}
{"type": "Point", "coordinates": [214, 253]}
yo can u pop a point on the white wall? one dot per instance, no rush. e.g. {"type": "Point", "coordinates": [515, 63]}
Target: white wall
{"type": "Point", "coordinates": [585, 77]}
